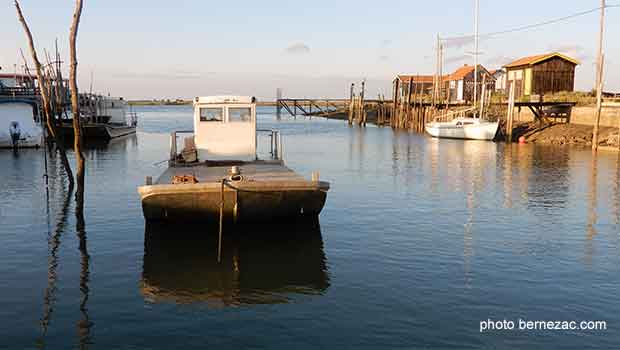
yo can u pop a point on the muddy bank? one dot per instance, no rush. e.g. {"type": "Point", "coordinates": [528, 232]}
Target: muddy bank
{"type": "Point", "coordinates": [563, 134]}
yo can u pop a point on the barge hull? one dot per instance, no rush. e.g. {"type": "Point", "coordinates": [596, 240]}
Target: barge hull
{"type": "Point", "coordinates": [98, 131]}
{"type": "Point", "coordinates": [242, 202]}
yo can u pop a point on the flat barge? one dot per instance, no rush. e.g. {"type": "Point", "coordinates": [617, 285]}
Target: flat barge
{"type": "Point", "coordinates": [218, 174]}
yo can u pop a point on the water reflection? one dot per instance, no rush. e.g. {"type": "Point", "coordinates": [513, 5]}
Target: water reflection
{"type": "Point", "coordinates": [551, 168]}
{"type": "Point", "coordinates": [616, 192]}
{"type": "Point", "coordinates": [259, 265]}
{"type": "Point", "coordinates": [476, 153]}
{"type": "Point", "coordinates": [592, 208]}
{"type": "Point", "coordinates": [118, 144]}
{"type": "Point", "coordinates": [84, 325]}
{"type": "Point", "coordinates": [54, 240]}
{"type": "Point", "coordinates": [540, 174]}
{"type": "Point", "coordinates": [507, 171]}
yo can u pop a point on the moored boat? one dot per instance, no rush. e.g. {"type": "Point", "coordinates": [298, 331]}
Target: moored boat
{"type": "Point", "coordinates": [218, 171]}
{"type": "Point", "coordinates": [104, 118]}
{"type": "Point", "coordinates": [18, 125]}
{"type": "Point", "coordinates": [463, 128]}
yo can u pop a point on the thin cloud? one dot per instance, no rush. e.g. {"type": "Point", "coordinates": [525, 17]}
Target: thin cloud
{"type": "Point", "coordinates": [164, 76]}
{"type": "Point", "coordinates": [499, 61]}
{"type": "Point", "coordinates": [456, 59]}
{"type": "Point", "coordinates": [298, 49]}
{"type": "Point", "coordinates": [458, 42]}
{"type": "Point", "coordinates": [386, 43]}
{"type": "Point", "coordinates": [575, 51]}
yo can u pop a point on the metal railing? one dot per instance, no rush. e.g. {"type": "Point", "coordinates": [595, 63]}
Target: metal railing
{"type": "Point", "coordinates": [275, 143]}
{"type": "Point", "coordinates": [133, 118]}
{"type": "Point", "coordinates": [19, 91]}
{"type": "Point", "coordinates": [275, 151]}
{"type": "Point", "coordinates": [447, 117]}
{"type": "Point", "coordinates": [173, 146]}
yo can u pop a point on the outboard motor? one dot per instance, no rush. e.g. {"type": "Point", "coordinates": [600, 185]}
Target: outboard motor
{"type": "Point", "coordinates": [15, 132]}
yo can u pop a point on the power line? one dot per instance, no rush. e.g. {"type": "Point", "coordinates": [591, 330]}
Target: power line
{"type": "Point", "coordinates": [529, 26]}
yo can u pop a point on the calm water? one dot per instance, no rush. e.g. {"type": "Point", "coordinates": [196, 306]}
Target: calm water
{"type": "Point", "coordinates": [419, 241]}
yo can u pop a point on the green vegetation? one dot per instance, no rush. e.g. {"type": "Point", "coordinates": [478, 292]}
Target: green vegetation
{"type": "Point", "coordinates": [582, 98]}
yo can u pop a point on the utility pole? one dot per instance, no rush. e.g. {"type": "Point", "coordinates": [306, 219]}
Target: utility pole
{"type": "Point", "coordinates": [599, 79]}
{"type": "Point", "coordinates": [476, 30]}
{"type": "Point", "coordinates": [440, 75]}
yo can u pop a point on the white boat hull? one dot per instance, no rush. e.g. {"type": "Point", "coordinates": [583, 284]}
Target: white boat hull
{"type": "Point", "coordinates": [31, 134]}
{"type": "Point", "coordinates": [478, 130]}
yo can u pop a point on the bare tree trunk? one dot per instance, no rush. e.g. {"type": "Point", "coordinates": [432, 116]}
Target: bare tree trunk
{"type": "Point", "coordinates": [75, 105]}
{"type": "Point", "coordinates": [45, 98]}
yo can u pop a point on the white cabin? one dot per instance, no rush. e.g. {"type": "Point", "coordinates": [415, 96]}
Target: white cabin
{"type": "Point", "coordinates": [18, 117]}
{"type": "Point", "coordinates": [225, 127]}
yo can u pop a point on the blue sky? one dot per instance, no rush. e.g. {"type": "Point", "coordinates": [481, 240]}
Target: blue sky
{"type": "Point", "coordinates": [138, 48]}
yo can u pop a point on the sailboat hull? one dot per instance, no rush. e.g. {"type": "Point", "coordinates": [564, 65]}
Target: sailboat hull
{"type": "Point", "coordinates": [477, 131]}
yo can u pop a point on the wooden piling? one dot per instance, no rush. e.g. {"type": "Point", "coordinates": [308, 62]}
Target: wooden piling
{"type": "Point", "coordinates": [511, 107]}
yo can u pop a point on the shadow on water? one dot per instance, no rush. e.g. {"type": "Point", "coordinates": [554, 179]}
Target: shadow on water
{"type": "Point", "coordinates": [260, 264]}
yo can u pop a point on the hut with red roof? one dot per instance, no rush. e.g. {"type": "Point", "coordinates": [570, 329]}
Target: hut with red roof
{"type": "Point", "coordinates": [541, 74]}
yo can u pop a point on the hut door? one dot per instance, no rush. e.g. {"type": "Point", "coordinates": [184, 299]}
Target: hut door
{"type": "Point", "coordinates": [459, 90]}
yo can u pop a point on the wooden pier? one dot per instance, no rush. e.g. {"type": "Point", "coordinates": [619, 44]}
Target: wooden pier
{"type": "Point", "coordinates": [410, 110]}
{"type": "Point", "coordinates": [309, 106]}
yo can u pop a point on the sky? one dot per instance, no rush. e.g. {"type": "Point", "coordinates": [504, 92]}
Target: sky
{"type": "Point", "coordinates": [143, 49]}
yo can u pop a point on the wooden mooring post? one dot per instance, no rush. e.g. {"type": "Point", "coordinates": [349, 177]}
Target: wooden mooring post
{"type": "Point", "coordinates": [511, 108]}
{"type": "Point", "coordinates": [408, 110]}
{"type": "Point", "coordinates": [278, 104]}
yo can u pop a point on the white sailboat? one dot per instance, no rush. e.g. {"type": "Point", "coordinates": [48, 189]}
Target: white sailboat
{"type": "Point", "coordinates": [463, 127]}
{"type": "Point", "coordinates": [18, 128]}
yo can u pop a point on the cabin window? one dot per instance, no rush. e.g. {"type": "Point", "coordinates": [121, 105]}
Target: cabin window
{"type": "Point", "coordinates": [211, 114]}
{"type": "Point", "coordinates": [239, 114]}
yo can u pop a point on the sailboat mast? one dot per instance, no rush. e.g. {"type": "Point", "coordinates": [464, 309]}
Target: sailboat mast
{"type": "Point", "coordinates": [476, 52]}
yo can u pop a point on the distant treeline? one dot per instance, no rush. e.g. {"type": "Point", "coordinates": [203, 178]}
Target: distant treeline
{"type": "Point", "coordinates": [163, 102]}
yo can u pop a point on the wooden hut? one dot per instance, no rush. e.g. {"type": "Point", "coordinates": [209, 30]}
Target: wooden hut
{"type": "Point", "coordinates": [541, 74]}
{"type": "Point", "coordinates": [419, 84]}
{"type": "Point", "coordinates": [500, 79]}
{"type": "Point", "coordinates": [461, 83]}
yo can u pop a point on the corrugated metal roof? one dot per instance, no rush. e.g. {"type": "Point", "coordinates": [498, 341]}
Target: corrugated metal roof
{"type": "Point", "coordinates": [532, 60]}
